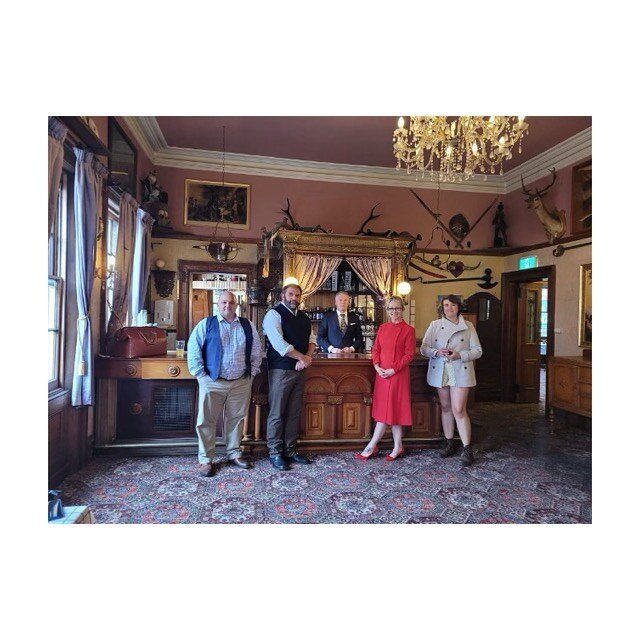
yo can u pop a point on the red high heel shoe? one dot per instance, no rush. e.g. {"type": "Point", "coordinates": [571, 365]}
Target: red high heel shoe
{"type": "Point", "coordinates": [390, 458]}
{"type": "Point", "coordinates": [359, 456]}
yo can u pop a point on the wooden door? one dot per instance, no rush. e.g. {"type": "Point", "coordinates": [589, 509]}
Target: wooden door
{"type": "Point", "coordinates": [528, 342]}
{"type": "Point", "coordinates": [488, 311]}
{"type": "Point", "coordinates": [201, 306]}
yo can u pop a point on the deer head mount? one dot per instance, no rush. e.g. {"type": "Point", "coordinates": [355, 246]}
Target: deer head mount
{"type": "Point", "coordinates": [554, 221]}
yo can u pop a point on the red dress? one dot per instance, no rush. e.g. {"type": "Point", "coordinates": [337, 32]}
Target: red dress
{"type": "Point", "coordinates": [394, 347]}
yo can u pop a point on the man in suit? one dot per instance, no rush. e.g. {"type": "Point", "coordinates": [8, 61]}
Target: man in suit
{"type": "Point", "coordinates": [224, 354]}
{"type": "Point", "coordinates": [340, 331]}
{"type": "Point", "coordinates": [290, 345]}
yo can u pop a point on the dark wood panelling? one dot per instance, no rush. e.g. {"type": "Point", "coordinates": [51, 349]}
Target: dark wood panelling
{"type": "Point", "coordinates": [489, 333]}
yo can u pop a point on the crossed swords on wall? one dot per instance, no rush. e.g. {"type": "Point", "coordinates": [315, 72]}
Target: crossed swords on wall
{"type": "Point", "coordinates": [455, 268]}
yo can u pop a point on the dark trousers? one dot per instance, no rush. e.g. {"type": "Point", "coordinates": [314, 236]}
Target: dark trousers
{"type": "Point", "coordinates": [285, 406]}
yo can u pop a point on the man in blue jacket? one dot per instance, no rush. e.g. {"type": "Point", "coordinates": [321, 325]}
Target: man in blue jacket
{"type": "Point", "coordinates": [340, 330]}
{"type": "Point", "coordinates": [224, 354]}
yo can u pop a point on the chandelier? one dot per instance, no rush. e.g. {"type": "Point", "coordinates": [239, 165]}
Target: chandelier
{"type": "Point", "coordinates": [220, 251]}
{"type": "Point", "coordinates": [454, 150]}
{"type": "Point", "coordinates": [219, 247]}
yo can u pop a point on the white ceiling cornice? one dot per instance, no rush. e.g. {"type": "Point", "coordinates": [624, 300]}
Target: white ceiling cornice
{"type": "Point", "coordinates": [568, 152]}
{"type": "Point", "coordinates": [147, 132]}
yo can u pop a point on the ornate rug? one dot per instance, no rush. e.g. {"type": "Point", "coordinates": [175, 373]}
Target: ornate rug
{"type": "Point", "coordinates": [523, 473]}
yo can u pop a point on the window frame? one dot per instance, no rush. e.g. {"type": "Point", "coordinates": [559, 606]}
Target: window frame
{"type": "Point", "coordinates": [57, 267]}
{"type": "Point", "coordinates": [112, 215]}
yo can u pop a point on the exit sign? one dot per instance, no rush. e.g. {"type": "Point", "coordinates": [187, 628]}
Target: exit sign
{"type": "Point", "coordinates": [528, 262]}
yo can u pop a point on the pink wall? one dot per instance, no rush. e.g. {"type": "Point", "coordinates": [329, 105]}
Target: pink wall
{"type": "Point", "coordinates": [337, 206]}
{"type": "Point", "coordinates": [524, 228]}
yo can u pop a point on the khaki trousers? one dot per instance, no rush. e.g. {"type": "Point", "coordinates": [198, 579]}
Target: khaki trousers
{"type": "Point", "coordinates": [213, 396]}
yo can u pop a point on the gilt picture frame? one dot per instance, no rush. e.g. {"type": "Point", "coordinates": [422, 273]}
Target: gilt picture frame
{"type": "Point", "coordinates": [585, 308]}
{"type": "Point", "coordinates": [123, 159]}
{"type": "Point", "coordinates": [581, 198]}
{"type": "Point", "coordinates": [215, 203]}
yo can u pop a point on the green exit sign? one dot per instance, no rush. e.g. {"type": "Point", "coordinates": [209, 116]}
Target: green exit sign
{"type": "Point", "coordinates": [528, 262]}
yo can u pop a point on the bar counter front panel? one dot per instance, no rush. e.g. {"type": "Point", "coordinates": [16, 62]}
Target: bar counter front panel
{"type": "Point", "coordinates": [156, 399]}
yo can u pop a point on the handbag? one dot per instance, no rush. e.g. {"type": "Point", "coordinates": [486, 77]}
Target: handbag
{"type": "Point", "coordinates": [137, 342]}
{"type": "Point", "coordinates": [56, 510]}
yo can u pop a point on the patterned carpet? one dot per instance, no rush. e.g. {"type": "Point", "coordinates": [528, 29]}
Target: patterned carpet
{"type": "Point", "coordinates": [524, 474]}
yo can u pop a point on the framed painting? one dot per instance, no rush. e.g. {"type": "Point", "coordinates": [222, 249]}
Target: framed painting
{"type": "Point", "coordinates": [212, 203]}
{"type": "Point", "coordinates": [581, 198]}
{"type": "Point", "coordinates": [584, 330]}
{"type": "Point", "coordinates": [123, 159]}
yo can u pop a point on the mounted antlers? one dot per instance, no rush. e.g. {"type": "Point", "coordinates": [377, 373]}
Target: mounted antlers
{"type": "Point", "coordinates": [361, 230]}
{"type": "Point", "coordinates": [286, 211]}
{"type": "Point", "coordinates": [554, 221]}
{"type": "Point", "coordinates": [295, 226]}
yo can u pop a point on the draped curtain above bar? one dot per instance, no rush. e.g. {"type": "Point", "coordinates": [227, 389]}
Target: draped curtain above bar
{"type": "Point", "coordinates": [312, 271]}
{"type": "Point", "coordinates": [375, 272]}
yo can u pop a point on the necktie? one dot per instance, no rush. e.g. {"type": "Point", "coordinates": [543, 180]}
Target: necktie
{"type": "Point", "coordinates": [343, 323]}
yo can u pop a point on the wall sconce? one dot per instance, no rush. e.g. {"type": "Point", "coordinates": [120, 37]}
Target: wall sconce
{"type": "Point", "coordinates": [163, 279]}
{"type": "Point", "coordinates": [404, 288]}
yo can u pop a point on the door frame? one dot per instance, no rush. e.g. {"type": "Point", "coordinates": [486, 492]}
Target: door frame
{"type": "Point", "coordinates": [510, 282]}
{"type": "Point", "coordinates": [186, 268]}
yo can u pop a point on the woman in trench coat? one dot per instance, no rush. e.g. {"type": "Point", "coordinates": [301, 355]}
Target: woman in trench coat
{"type": "Point", "coordinates": [451, 343]}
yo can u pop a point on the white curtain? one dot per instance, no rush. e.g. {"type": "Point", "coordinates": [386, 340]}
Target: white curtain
{"type": "Point", "coordinates": [141, 263]}
{"type": "Point", "coordinates": [57, 134]}
{"type": "Point", "coordinates": [124, 263]}
{"type": "Point", "coordinates": [87, 202]}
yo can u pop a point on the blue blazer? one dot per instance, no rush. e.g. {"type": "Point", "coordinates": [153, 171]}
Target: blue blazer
{"type": "Point", "coordinates": [329, 333]}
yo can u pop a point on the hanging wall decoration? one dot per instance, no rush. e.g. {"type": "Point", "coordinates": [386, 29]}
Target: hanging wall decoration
{"type": "Point", "coordinates": [454, 267]}
{"type": "Point", "coordinates": [458, 228]}
{"type": "Point", "coordinates": [485, 281]}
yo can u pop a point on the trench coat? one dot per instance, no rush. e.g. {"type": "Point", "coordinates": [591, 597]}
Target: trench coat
{"type": "Point", "coordinates": [394, 347]}
{"type": "Point", "coordinates": [461, 337]}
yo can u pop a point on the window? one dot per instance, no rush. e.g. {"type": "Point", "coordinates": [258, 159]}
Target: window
{"type": "Point", "coordinates": [544, 316]}
{"type": "Point", "coordinates": [111, 243]}
{"type": "Point", "coordinates": [57, 274]}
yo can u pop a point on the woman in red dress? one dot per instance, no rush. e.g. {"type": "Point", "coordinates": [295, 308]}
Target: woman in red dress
{"type": "Point", "coordinates": [393, 350]}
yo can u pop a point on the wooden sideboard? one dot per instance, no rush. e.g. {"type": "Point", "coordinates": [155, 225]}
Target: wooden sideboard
{"type": "Point", "coordinates": [155, 399]}
{"type": "Point", "coordinates": [569, 384]}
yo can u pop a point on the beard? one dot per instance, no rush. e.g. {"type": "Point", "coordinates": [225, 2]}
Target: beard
{"type": "Point", "coordinates": [292, 304]}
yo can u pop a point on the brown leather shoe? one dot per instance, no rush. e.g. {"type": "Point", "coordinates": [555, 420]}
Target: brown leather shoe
{"type": "Point", "coordinates": [241, 462]}
{"type": "Point", "coordinates": [207, 470]}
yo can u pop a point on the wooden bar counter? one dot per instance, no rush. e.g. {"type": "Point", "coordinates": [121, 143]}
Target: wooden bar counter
{"type": "Point", "coordinates": [153, 402]}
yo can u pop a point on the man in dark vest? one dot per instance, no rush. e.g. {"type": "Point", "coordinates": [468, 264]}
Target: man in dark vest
{"type": "Point", "coordinates": [290, 345]}
{"type": "Point", "coordinates": [339, 330]}
{"type": "Point", "coordinates": [224, 354]}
